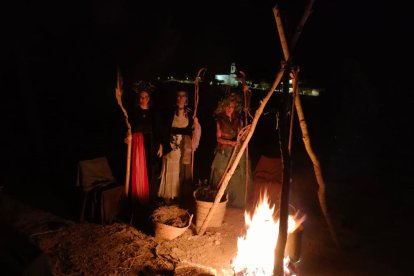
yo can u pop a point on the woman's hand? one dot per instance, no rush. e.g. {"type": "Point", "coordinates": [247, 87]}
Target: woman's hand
{"type": "Point", "coordinates": [227, 142]}
{"type": "Point", "coordinates": [195, 121]}
{"type": "Point", "coordinates": [234, 143]}
{"type": "Point", "coordinates": [128, 139]}
{"type": "Point", "coordinates": [159, 152]}
{"type": "Point", "coordinates": [196, 134]}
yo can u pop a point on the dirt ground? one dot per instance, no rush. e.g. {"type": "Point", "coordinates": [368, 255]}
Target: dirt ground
{"type": "Point", "coordinates": [92, 249]}
{"type": "Point", "coordinates": [71, 248]}
{"type": "Point", "coordinates": [36, 242]}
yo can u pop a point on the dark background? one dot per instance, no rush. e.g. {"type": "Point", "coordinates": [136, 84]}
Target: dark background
{"type": "Point", "coordinates": [58, 74]}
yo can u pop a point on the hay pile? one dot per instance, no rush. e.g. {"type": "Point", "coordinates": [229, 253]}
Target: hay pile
{"type": "Point", "coordinates": [171, 215]}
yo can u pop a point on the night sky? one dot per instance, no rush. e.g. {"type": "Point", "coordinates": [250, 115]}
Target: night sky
{"type": "Point", "coordinates": [178, 38]}
{"type": "Point", "coordinates": [59, 66]}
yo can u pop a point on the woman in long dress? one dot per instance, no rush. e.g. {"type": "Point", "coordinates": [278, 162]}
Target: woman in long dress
{"type": "Point", "coordinates": [182, 134]}
{"type": "Point", "coordinates": [146, 147]}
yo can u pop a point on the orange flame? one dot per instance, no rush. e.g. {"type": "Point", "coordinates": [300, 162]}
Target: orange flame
{"type": "Point", "coordinates": [256, 250]}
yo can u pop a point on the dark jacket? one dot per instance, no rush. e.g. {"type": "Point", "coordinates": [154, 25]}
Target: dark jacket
{"type": "Point", "coordinates": [147, 122]}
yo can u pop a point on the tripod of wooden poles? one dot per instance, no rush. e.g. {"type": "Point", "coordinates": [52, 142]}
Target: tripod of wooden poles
{"type": "Point", "coordinates": [285, 141]}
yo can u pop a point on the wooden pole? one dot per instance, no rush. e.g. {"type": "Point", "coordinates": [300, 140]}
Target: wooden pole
{"type": "Point", "coordinates": [284, 121]}
{"type": "Point", "coordinates": [246, 95]}
{"type": "Point", "coordinates": [296, 35]}
{"type": "Point", "coordinates": [225, 181]}
{"type": "Point", "coordinates": [316, 165]}
{"type": "Point", "coordinates": [283, 136]}
{"type": "Point", "coordinates": [118, 94]}
{"type": "Point", "coordinates": [196, 89]}
{"type": "Point", "coordinates": [279, 25]}
{"type": "Point", "coordinates": [299, 28]}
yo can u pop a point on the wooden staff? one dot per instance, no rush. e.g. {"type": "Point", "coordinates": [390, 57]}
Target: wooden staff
{"type": "Point", "coordinates": [295, 38]}
{"type": "Point", "coordinates": [118, 94]}
{"type": "Point", "coordinates": [196, 89]}
{"type": "Point", "coordinates": [246, 94]}
{"type": "Point", "coordinates": [229, 174]}
{"type": "Point", "coordinates": [284, 197]}
{"type": "Point", "coordinates": [295, 80]}
{"type": "Point", "coordinates": [284, 121]}
{"type": "Point", "coordinates": [316, 165]}
{"type": "Point", "coordinates": [240, 137]}
{"type": "Point", "coordinates": [299, 28]}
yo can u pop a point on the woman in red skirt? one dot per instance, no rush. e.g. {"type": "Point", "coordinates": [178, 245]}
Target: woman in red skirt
{"type": "Point", "coordinates": [146, 148]}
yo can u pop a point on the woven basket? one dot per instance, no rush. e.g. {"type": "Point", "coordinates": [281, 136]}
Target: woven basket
{"type": "Point", "coordinates": [202, 209]}
{"type": "Point", "coordinates": [168, 232]}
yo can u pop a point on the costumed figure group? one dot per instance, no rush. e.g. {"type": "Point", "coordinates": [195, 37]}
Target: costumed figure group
{"type": "Point", "coordinates": [163, 146]}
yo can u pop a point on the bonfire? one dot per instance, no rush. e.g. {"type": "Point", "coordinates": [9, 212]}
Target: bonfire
{"type": "Point", "coordinates": [256, 249]}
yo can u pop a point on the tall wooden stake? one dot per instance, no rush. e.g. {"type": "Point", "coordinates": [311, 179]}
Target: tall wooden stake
{"type": "Point", "coordinates": [301, 117]}
{"type": "Point", "coordinates": [299, 28]}
{"type": "Point", "coordinates": [246, 94]}
{"type": "Point", "coordinates": [118, 94]}
{"type": "Point", "coordinates": [284, 122]}
{"type": "Point", "coordinates": [316, 165]}
{"type": "Point", "coordinates": [196, 89]}
{"type": "Point", "coordinates": [286, 160]}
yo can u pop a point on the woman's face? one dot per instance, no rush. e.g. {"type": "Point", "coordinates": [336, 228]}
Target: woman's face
{"type": "Point", "coordinates": [144, 99]}
{"type": "Point", "coordinates": [230, 109]}
{"type": "Point", "coordinates": [181, 99]}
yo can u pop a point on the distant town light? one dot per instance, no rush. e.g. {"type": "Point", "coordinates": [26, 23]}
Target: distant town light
{"type": "Point", "coordinates": [231, 80]}
{"type": "Point", "coordinates": [315, 92]}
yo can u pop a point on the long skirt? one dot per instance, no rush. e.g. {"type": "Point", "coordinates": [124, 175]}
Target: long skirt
{"type": "Point", "coordinates": [170, 175]}
{"type": "Point", "coordinates": [176, 173]}
{"type": "Point", "coordinates": [139, 185]}
{"type": "Point", "coordinates": [236, 187]}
